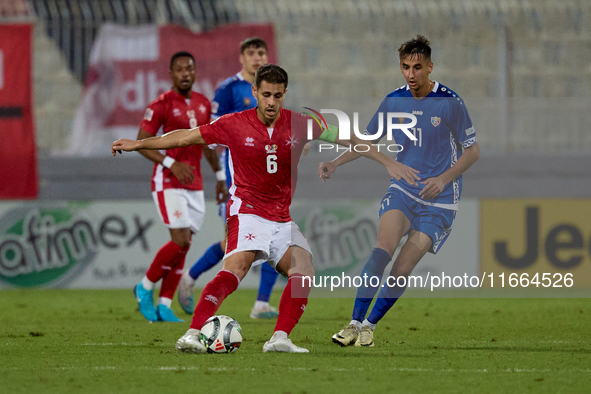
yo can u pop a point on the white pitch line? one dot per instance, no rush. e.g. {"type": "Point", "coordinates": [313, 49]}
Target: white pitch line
{"type": "Point", "coordinates": [223, 369]}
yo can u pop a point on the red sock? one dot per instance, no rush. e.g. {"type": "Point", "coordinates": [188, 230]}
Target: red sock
{"type": "Point", "coordinates": [213, 295]}
{"type": "Point", "coordinates": [293, 303]}
{"type": "Point", "coordinates": [172, 277]}
{"type": "Point", "coordinates": [163, 261]}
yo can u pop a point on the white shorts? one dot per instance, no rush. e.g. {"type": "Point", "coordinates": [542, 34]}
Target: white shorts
{"type": "Point", "coordinates": [269, 239]}
{"type": "Point", "coordinates": [180, 208]}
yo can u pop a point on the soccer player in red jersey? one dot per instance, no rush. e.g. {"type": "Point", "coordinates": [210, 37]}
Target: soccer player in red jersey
{"type": "Point", "coordinates": [177, 186]}
{"type": "Point", "coordinates": [265, 144]}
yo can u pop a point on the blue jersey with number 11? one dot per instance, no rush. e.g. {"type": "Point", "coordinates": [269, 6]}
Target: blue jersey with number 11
{"type": "Point", "coordinates": [443, 128]}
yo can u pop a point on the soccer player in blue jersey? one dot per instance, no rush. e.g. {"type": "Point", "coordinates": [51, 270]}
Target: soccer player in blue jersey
{"type": "Point", "coordinates": [443, 148]}
{"type": "Point", "coordinates": [233, 95]}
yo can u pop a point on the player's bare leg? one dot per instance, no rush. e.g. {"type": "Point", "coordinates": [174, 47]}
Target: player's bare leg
{"type": "Point", "coordinates": [392, 227]}
{"type": "Point", "coordinates": [225, 283]}
{"type": "Point", "coordinates": [296, 264]}
{"type": "Point", "coordinates": [412, 252]}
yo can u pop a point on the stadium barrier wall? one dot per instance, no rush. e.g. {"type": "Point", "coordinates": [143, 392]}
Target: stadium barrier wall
{"type": "Point", "coordinates": [92, 245]}
{"type": "Point", "coordinates": [536, 239]}
{"type": "Point", "coordinates": [111, 244]}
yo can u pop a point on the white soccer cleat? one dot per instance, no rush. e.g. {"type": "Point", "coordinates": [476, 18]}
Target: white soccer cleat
{"type": "Point", "coordinates": [283, 345]}
{"type": "Point", "coordinates": [191, 342]}
{"type": "Point", "coordinates": [347, 336]}
{"type": "Point", "coordinates": [266, 312]}
{"type": "Point", "coordinates": [185, 293]}
{"type": "Point", "coordinates": [365, 337]}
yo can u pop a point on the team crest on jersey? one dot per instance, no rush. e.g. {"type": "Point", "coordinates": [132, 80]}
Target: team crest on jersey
{"type": "Point", "coordinates": [202, 108]}
{"type": "Point", "coordinates": [214, 107]}
{"type": "Point", "coordinates": [148, 114]}
{"type": "Point", "coordinates": [249, 141]}
{"type": "Point", "coordinates": [271, 148]}
{"type": "Point", "coordinates": [435, 121]}
{"type": "Point", "coordinates": [247, 101]}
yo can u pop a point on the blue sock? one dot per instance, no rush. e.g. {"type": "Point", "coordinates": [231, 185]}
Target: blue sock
{"type": "Point", "coordinates": [268, 278]}
{"type": "Point", "coordinates": [211, 257]}
{"type": "Point", "coordinates": [375, 266]}
{"type": "Point", "coordinates": [387, 297]}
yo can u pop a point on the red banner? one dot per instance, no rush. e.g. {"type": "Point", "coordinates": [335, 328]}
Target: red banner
{"type": "Point", "coordinates": [18, 157]}
{"type": "Point", "coordinates": [129, 67]}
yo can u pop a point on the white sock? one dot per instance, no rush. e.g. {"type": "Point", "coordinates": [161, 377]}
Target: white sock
{"type": "Point", "coordinates": [356, 324]}
{"type": "Point", "coordinates": [260, 304]}
{"type": "Point", "coordinates": [147, 284]}
{"type": "Point", "coordinates": [368, 324]}
{"type": "Point", "coordinates": [278, 335]}
{"type": "Point", "coordinates": [164, 301]}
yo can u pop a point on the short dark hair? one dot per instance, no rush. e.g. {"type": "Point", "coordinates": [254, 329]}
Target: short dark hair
{"type": "Point", "coordinates": [180, 54]}
{"type": "Point", "coordinates": [271, 73]}
{"type": "Point", "coordinates": [256, 42]}
{"type": "Point", "coordinates": [416, 47]}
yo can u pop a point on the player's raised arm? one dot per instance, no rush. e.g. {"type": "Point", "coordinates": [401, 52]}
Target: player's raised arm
{"type": "Point", "coordinates": [174, 139]}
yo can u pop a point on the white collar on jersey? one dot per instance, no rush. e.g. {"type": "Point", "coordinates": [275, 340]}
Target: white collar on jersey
{"type": "Point", "coordinates": [239, 75]}
{"type": "Point", "coordinates": [435, 87]}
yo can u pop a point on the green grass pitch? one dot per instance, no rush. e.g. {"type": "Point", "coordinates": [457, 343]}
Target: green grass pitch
{"type": "Point", "coordinates": [82, 341]}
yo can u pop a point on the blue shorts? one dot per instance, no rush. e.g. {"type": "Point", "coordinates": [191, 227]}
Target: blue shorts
{"type": "Point", "coordinates": [434, 221]}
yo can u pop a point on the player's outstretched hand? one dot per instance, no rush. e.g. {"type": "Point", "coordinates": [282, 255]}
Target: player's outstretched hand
{"type": "Point", "coordinates": [325, 169]}
{"type": "Point", "coordinates": [433, 187]}
{"type": "Point", "coordinates": [221, 192]}
{"type": "Point", "coordinates": [400, 171]}
{"type": "Point", "coordinates": [183, 172]}
{"type": "Point", "coordinates": [124, 144]}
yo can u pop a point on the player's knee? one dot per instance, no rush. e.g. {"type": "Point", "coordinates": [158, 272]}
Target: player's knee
{"type": "Point", "coordinates": [387, 246]}
{"type": "Point", "coordinates": [185, 244]}
{"type": "Point", "coordinates": [303, 268]}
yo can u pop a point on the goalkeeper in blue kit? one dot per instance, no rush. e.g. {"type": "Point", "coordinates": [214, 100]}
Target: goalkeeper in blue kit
{"type": "Point", "coordinates": [439, 148]}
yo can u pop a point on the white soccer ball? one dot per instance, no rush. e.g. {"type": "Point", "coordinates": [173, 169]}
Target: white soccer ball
{"type": "Point", "coordinates": [221, 334]}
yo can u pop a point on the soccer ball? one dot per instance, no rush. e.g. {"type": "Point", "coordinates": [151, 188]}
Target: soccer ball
{"type": "Point", "coordinates": [221, 334]}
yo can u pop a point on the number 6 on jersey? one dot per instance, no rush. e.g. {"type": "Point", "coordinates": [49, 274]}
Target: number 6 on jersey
{"type": "Point", "coordinates": [272, 164]}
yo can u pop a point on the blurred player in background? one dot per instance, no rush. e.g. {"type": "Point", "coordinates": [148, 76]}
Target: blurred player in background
{"type": "Point", "coordinates": [177, 186]}
{"type": "Point", "coordinates": [265, 145]}
{"type": "Point", "coordinates": [425, 210]}
{"type": "Point", "coordinates": [233, 95]}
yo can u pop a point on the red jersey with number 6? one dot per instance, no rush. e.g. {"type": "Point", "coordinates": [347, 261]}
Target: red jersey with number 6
{"type": "Point", "coordinates": [171, 111]}
{"type": "Point", "coordinates": [263, 162]}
